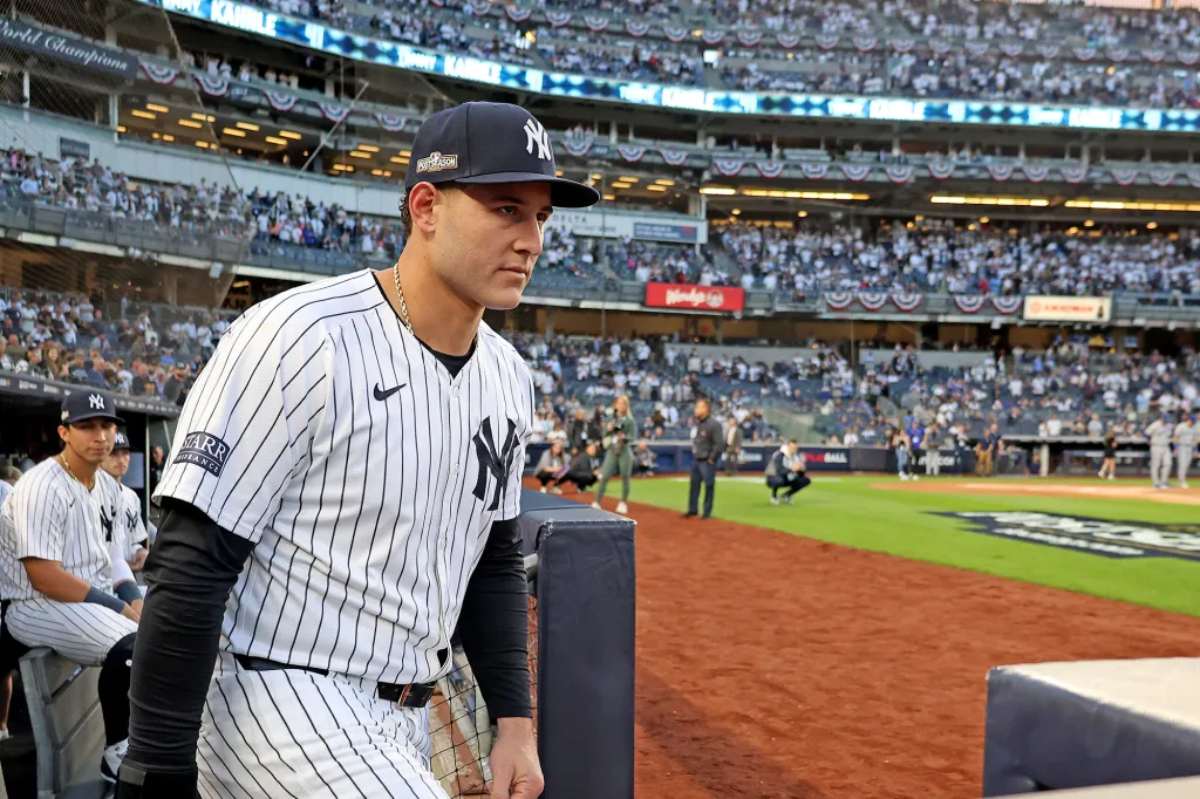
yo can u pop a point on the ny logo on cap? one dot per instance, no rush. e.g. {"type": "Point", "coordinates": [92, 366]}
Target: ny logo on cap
{"type": "Point", "coordinates": [536, 134]}
{"type": "Point", "coordinates": [96, 401]}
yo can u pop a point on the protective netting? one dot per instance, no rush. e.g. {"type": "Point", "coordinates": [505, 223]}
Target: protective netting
{"type": "Point", "coordinates": [460, 727]}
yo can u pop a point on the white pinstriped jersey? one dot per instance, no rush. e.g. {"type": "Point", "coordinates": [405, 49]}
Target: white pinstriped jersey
{"type": "Point", "coordinates": [367, 477]}
{"type": "Point", "coordinates": [135, 529]}
{"type": "Point", "coordinates": [51, 515]}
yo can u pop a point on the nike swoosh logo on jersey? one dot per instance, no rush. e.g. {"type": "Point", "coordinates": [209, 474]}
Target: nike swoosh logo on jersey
{"type": "Point", "coordinates": [381, 395]}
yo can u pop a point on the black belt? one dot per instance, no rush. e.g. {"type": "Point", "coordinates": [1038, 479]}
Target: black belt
{"type": "Point", "coordinates": [409, 695]}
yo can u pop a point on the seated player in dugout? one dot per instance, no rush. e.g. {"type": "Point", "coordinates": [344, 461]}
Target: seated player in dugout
{"type": "Point", "coordinates": [343, 496]}
{"type": "Point", "coordinates": [132, 557]}
{"type": "Point", "coordinates": [787, 469]}
{"type": "Point", "coordinates": [56, 577]}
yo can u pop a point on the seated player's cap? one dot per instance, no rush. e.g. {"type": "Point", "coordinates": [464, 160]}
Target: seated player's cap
{"type": "Point", "coordinates": [480, 142]}
{"type": "Point", "coordinates": [121, 441]}
{"type": "Point", "coordinates": [84, 404]}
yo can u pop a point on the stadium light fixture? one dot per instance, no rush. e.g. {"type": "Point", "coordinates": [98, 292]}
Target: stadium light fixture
{"type": "Point", "coordinates": [405, 153]}
{"type": "Point", "coordinates": [168, 137]}
{"type": "Point", "coordinates": [377, 172]}
{"type": "Point", "coordinates": [359, 154]}
{"type": "Point", "coordinates": [1089, 223]}
{"type": "Point", "coordinates": [656, 187]}
{"type": "Point", "coordinates": [203, 117]}
{"type": "Point", "coordinates": [736, 212]}
{"type": "Point", "coordinates": [960, 199]}
{"type": "Point", "coordinates": [370, 148]}
{"type": "Point", "coordinates": [720, 191]}
{"type": "Point", "coordinates": [202, 144]}
{"type": "Point", "coordinates": [558, 173]}
{"type": "Point", "coordinates": [190, 123]}
{"type": "Point", "coordinates": [241, 134]}
{"type": "Point", "coordinates": [983, 220]}
{"type": "Point", "coordinates": [290, 134]}
{"type": "Point", "coordinates": [396, 159]}
{"type": "Point", "coordinates": [1134, 205]}
{"type": "Point", "coordinates": [610, 197]}
{"type": "Point", "coordinates": [121, 128]}
{"type": "Point", "coordinates": [664, 182]}
{"type": "Point", "coordinates": [794, 194]}
{"type": "Point", "coordinates": [140, 114]}
{"type": "Point", "coordinates": [628, 179]}
{"type": "Point", "coordinates": [1151, 226]}
{"type": "Point", "coordinates": [596, 176]}
{"type": "Point", "coordinates": [162, 109]}
{"type": "Point", "coordinates": [250, 126]}
{"type": "Point", "coordinates": [802, 214]}
{"type": "Point", "coordinates": [276, 140]}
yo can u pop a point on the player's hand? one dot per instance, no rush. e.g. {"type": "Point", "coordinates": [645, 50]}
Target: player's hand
{"type": "Point", "coordinates": [516, 772]}
{"type": "Point", "coordinates": [139, 559]}
{"type": "Point", "coordinates": [132, 613]}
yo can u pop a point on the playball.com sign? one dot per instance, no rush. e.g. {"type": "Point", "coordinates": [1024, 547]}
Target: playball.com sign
{"type": "Point", "coordinates": [686, 297]}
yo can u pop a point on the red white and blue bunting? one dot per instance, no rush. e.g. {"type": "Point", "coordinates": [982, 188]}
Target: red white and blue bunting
{"type": "Point", "coordinates": [1189, 57]}
{"type": "Point", "coordinates": [940, 46]}
{"type": "Point", "coordinates": [518, 14]}
{"type": "Point", "coordinates": [1124, 176]}
{"type": "Point", "coordinates": [1153, 55]}
{"type": "Point", "coordinates": [1193, 177]}
{"type": "Point", "coordinates": [1162, 176]}
{"type": "Point", "coordinates": [865, 43]}
{"type": "Point", "coordinates": [872, 300]}
{"type": "Point", "coordinates": [160, 74]}
{"type": "Point", "coordinates": [1048, 51]}
{"type": "Point", "coordinates": [595, 24]}
{"type": "Point", "coordinates": [631, 152]}
{"type": "Point", "coordinates": [941, 168]}
{"type": "Point", "coordinates": [969, 303]}
{"type": "Point", "coordinates": [280, 101]}
{"type": "Point", "coordinates": [907, 302]}
{"type": "Point", "coordinates": [903, 45]}
{"type": "Point", "coordinates": [856, 172]}
{"type": "Point", "coordinates": [815, 171]}
{"type": "Point", "coordinates": [1076, 173]}
{"type": "Point", "coordinates": [728, 166]}
{"type": "Point", "coordinates": [769, 169]}
{"type": "Point", "coordinates": [1007, 305]}
{"type": "Point", "coordinates": [334, 112]}
{"type": "Point", "coordinates": [787, 40]}
{"type": "Point", "coordinates": [558, 19]}
{"type": "Point", "coordinates": [749, 38]}
{"type": "Point", "coordinates": [1000, 172]}
{"type": "Point", "coordinates": [673, 157]}
{"type": "Point", "coordinates": [1012, 49]}
{"type": "Point", "coordinates": [977, 48]}
{"type": "Point", "coordinates": [1036, 173]}
{"type": "Point", "coordinates": [389, 122]}
{"type": "Point", "coordinates": [713, 37]}
{"type": "Point", "coordinates": [900, 173]}
{"type": "Point", "coordinates": [675, 34]}
{"type": "Point", "coordinates": [1086, 53]}
{"type": "Point", "coordinates": [838, 300]}
{"type": "Point", "coordinates": [212, 85]}
{"type": "Point", "coordinates": [578, 145]}
{"type": "Point", "coordinates": [827, 41]}
{"type": "Point", "coordinates": [637, 28]}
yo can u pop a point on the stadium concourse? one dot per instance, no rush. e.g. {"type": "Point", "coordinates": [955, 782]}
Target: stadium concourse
{"type": "Point", "coordinates": [940, 239]}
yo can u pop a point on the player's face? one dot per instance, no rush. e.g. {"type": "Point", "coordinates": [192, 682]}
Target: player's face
{"type": "Point", "coordinates": [117, 463]}
{"type": "Point", "coordinates": [488, 239]}
{"type": "Point", "coordinates": [91, 440]}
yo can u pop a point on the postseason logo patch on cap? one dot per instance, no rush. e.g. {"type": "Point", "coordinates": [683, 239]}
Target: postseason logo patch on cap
{"type": "Point", "coordinates": [436, 162]}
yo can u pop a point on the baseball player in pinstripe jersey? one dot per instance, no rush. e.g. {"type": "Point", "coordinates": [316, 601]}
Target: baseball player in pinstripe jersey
{"type": "Point", "coordinates": [343, 493]}
{"type": "Point", "coordinates": [134, 553]}
{"type": "Point", "coordinates": [55, 572]}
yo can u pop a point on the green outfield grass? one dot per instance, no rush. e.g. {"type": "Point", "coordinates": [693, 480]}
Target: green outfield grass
{"type": "Point", "coordinates": [847, 510]}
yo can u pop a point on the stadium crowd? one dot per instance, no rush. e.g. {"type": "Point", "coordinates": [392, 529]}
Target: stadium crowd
{"type": "Point", "coordinates": [921, 70]}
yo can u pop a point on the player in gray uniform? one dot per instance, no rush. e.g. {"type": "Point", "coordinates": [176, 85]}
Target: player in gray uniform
{"type": "Point", "coordinates": [1185, 447]}
{"type": "Point", "coordinates": [343, 494]}
{"type": "Point", "coordinates": [1159, 432]}
{"type": "Point", "coordinates": [55, 572]}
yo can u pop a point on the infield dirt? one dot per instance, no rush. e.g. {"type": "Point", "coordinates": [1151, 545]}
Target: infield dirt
{"type": "Point", "coordinates": [770, 665]}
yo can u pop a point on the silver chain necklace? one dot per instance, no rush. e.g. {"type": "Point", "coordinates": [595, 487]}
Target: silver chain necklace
{"type": "Point", "coordinates": [404, 320]}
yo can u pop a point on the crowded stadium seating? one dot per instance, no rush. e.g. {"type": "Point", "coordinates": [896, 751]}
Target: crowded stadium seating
{"type": "Point", "coordinates": [1044, 52]}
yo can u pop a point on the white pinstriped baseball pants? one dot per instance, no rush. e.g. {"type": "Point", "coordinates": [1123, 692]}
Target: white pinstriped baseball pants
{"type": "Point", "coordinates": [82, 632]}
{"type": "Point", "coordinates": [292, 733]}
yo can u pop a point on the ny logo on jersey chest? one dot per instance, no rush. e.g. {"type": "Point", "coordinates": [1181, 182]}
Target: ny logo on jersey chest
{"type": "Point", "coordinates": [498, 462]}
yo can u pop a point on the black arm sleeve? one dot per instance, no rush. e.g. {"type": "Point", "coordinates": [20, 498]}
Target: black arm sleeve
{"type": "Point", "coordinates": [190, 571]}
{"type": "Point", "coordinates": [494, 624]}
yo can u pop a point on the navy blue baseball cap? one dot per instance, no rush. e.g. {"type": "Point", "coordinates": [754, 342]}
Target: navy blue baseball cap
{"type": "Point", "coordinates": [121, 441]}
{"type": "Point", "coordinates": [84, 404]}
{"type": "Point", "coordinates": [480, 142]}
